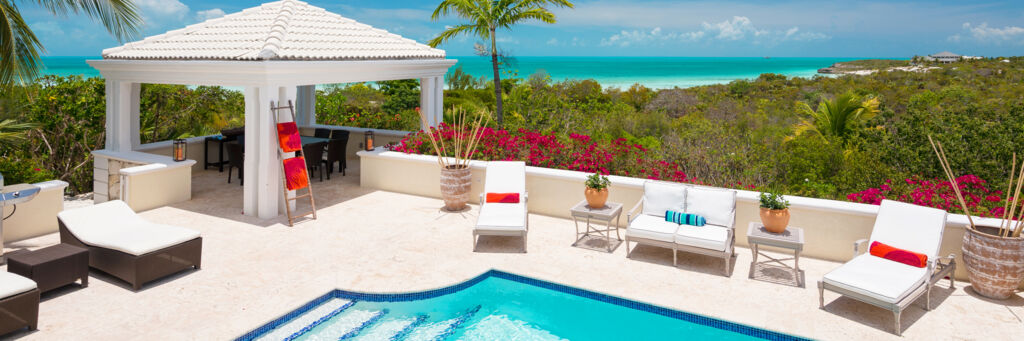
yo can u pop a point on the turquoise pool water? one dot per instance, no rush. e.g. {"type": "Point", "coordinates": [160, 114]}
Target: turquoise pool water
{"type": "Point", "coordinates": [497, 306]}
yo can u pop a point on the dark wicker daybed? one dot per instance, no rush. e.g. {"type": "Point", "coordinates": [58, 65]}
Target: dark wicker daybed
{"type": "Point", "coordinates": [143, 264]}
{"type": "Point", "coordinates": [20, 310]}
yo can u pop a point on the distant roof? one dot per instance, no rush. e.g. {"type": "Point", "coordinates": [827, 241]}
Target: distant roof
{"type": "Point", "coordinates": [282, 30]}
{"type": "Point", "coordinates": [945, 54]}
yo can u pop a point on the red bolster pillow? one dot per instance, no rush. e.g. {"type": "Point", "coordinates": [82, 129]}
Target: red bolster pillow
{"type": "Point", "coordinates": [898, 255]}
{"type": "Point", "coordinates": [504, 198]}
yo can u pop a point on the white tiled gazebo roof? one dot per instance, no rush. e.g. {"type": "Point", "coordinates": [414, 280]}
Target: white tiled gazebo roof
{"type": "Point", "coordinates": [282, 30]}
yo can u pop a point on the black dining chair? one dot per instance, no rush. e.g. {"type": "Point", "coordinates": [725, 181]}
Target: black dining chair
{"type": "Point", "coordinates": [322, 133]}
{"type": "Point", "coordinates": [335, 154]}
{"type": "Point", "coordinates": [314, 154]}
{"type": "Point", "coordinates": [236, 159]}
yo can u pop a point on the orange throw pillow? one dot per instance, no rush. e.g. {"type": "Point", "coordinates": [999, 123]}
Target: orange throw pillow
{"type": "Point", "coordinates": [295, 173]}
{"type": "Point", "coordinates": [288, 136]}
{"type": "Point", "coordinates": [899, 255]}
{"type": "Point", "coordinates": [504, 198]}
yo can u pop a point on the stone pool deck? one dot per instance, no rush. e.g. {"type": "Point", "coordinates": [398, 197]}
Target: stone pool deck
{"type": "Point", "coordinates": [256, 270]}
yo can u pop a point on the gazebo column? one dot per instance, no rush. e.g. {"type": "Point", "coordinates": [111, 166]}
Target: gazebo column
{"type": "Point", "coordinates": [431, 99]}
{"type": "Point", "coordinates": [122, 126]}
{"type": "Point", "coordinates": [262, 189]}
{"type": "Point", "coordinates": [305, 105]}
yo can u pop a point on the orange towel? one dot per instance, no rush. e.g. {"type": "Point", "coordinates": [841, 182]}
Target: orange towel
{"type": "Point", "coordinates": [295, 173]}
{"type": "Point", "coordinates": [288, 136]}
{"type": "Point", "coordinates": [899, 255]}
{"type": "Point", "coordinates": [504, 198]}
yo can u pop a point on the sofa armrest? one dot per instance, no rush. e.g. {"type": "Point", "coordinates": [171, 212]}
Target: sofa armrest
{"type": "Point", "coordinates": [856, 246]}
{"type": "Point", "coordinates": [632, 214]}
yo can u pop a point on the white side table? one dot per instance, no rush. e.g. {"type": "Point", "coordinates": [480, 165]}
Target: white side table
{"type": "Point", "coordinates": [610, 211]}
{"type": "Point", "coordinates": [792, 238]}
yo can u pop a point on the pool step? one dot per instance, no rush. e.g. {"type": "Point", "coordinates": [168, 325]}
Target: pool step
{"type": "Point", "coordinates": [441, 330]}
{"type": "Point", "coordinates": [352, 333]}
{"type": "Point", "coordinates": [391, 328]}
{"type": "Point", "coordinates": [322, 312]}
{"type": "Point", "coordinates": [402, 334]}
{"type": "Point", "coordinates": [347, 325]}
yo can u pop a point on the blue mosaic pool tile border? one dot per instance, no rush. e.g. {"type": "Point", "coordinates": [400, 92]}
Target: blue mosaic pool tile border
{"type": "Point", "coordinates": [352, 333]}
{"type": "Point", "coordinates": [402, 297]}
{"type": "Point", "coordinates": [408, 329]}
{"type": "Point", "coordinates": [672, 313]}
{"type": "Point", "coordinates": [267, 327]}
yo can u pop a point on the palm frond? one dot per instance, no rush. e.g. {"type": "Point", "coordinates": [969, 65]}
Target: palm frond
{"type": "Point", "coordinates": [12, 132]}
{"type": "Point", "coordinates": [19, 47]}
{"type": "Point", "coordinates": [453, 32]}
{"type": "Point", "coordinates": [120, 17]}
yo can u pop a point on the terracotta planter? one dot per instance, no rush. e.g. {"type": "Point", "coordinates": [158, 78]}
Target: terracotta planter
{"type": "Point", "coordinates": [596, 197]}
{"type": "Point", "coordinates": [775, 221]}
{"type": "Point", "coordinates": [995, 265]}
{"type": "Point", "coordinates": [455, 185]}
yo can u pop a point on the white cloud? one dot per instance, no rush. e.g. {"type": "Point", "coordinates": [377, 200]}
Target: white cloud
{"type": "Point", "coordinates": [735, 29]}
{"type": "Point", "coordinates": [210, 14]}
{"type": "Point", "coordinates": [985, 34]}
{"type": "Point", "coordinates": [553, 41]}
{"type": "Point", "coordinates": [49, 28]}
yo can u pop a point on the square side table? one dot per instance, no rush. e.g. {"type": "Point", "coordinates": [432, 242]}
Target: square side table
{"type": "Point", "coordinates": [610, 211]}
{"type": "Point", "coordinates": [52, 267]}
{"type": "Point", "coordinates": [792, 238]}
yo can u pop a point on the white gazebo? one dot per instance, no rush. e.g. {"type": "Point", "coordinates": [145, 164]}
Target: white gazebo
{"type": "Point", "coordinates": [277, 52]}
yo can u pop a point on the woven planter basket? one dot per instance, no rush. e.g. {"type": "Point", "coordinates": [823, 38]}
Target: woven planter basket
{"type": "Point", "coordinates": [995, 265]}
{"type": "Point", "coordinates": [455, 184]}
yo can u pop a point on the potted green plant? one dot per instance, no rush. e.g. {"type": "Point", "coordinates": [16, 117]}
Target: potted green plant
{"type": "Point", "coordinates": [597, 190]}
{"type": "Point", "coordinates": [774, 211]}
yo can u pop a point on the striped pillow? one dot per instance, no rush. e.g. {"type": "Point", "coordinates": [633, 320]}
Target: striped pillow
{"type": "Point", "coordinates": [684, 218]}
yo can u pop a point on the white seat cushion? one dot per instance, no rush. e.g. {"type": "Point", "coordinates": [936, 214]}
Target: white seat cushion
{"type": "Point", "coordinates": [113, 225]}
{"type": "Point", "coordinates": [12, 284]}
{"type": "Point", "coordinates": [661, 196]}
{"type": "Point", "coordinates": [651, 227]}
{"type": "Point", "coordinates": [877, 277]}
{"type": "Point", "coordinates": [910, 227]}
{"type": "Point", "coordinates": [505, 177]}
{"type": "Point", "coordinates": [717, 206]}
{"type": "Point", "coordinates": [711, 237]}
{"type": "Point", "coordinates": [502, 217]}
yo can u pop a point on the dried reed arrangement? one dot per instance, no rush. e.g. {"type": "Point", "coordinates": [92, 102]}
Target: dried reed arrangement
{"type": "Point", "coordinates": [464, 139]}
{"type": "Point", "coordinates": [1012, 223]}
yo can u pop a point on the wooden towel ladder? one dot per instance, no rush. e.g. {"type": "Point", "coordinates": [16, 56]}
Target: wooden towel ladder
{"type": "Point", "coordinates": [284, 184]}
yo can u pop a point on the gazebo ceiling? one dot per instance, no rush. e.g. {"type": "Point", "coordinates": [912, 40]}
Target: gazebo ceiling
{"type": "Point", "coordinates": [282, 30]}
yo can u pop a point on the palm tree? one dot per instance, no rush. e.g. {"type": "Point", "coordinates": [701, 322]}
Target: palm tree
{"type": "Point", "coordinates": [838, 117]}
{"type": "Point", "coordinates": [486, 17]}
{"type": "Point", "coordinates": [20, 48]}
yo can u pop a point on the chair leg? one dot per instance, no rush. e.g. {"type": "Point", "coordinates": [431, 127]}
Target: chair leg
{"type": "Point", "coordinates": [899, 331]}
{"type": "Point", "coordinates": [675, 257]}
{"type": "Point", "coordinates": [821, 295]}
{"type": "Point", "coordinates": [627, 247]}
{"type": "Point", "coordinates": [229, 173]}
{"type": "Point", "coordinates": [928, 296]}
{"type": "Point", "coordinates": [524, 243]}
{"type": "Point", "coordinates": [728, 262]}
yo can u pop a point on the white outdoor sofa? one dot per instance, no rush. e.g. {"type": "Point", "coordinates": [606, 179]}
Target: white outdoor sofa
{"type": "Point", "coordinates": [889, 284]}
{"type": "Point", "coordinates": [718, 206]}
{"type": "Point", "coordinates": [503, 219]}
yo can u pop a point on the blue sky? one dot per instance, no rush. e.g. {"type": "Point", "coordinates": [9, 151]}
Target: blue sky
{"type": "Point", "coordinates": [641, 28]}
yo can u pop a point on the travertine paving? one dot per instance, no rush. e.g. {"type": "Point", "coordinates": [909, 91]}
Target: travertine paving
{"type": "Point", "coordinates": [255, 270]}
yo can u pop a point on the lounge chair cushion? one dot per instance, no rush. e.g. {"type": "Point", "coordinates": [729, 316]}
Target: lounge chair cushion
{"type": "Point", "coordinates": [114, 225]}
{"type": "Point", "coordinates": [909, 227]}
{"type": "Point", "coordinates": [651, 227]}
{"type": "Point", "coordinates": [717, 206]}
{"type": "Point", "coordinates": [12, 284]}
{"type": "Point", "coordinates": [711, 237]}
{"type": "Point", "coordinates": [502, 217]}
{"type": "Point", "coordinates": [878, 278]}
{"type": "Point", "coordinates": [660, 197]}
{"type": "Point", "coordinates": [505, 177]}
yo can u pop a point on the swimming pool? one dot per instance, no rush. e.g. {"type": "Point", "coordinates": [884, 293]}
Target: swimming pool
{"type": "Point", "coordinates": [497, 305]}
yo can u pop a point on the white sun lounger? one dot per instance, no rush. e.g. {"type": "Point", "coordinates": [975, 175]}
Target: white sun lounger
{"type": "Point", "coordinates": [889, 284]}
{"type": "Point", "coordinates": [123, 244]}
{"type": "Point", "coordinates": [503, 219]}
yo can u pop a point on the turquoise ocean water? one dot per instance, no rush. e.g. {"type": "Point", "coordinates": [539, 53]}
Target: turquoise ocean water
{"type": "Point", "coordinates": [655, 72]}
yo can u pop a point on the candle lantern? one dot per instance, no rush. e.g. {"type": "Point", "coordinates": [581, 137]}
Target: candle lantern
{"type": "Point", "coordinates": [368, 140]}
{"type": "Point", "coordinates": [178, 150]}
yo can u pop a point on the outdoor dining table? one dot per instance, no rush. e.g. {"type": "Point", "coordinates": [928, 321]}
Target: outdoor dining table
{"type": "Point", "coordinates": [306, 140]}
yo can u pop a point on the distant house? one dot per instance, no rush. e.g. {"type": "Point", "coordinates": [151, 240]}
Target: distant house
{"type": "Point", "coordinates": [945, 57]}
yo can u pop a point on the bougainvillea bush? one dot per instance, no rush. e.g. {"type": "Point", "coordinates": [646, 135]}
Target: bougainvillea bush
{"type": "Point", "coordinates": [981, 200]}
{"type": "Point", "coordinates": [574, 152]}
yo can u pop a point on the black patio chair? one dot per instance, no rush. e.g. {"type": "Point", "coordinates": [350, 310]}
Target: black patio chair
{"type": "Point", "coordinates": [335, 154]}
{"type": "Point", "coordinates": [314, 154]}
{"type": "Point", "coordinates": [322, 133]}
{"type": "Point", "coordinates": [236, 159]}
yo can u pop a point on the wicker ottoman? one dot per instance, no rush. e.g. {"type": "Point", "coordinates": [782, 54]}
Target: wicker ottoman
{"type": "Point", "coordinates": [52, 267]}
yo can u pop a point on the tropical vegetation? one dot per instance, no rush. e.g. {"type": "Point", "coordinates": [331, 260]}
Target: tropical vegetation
{"type": "Point", "coordinates": [486, 17]}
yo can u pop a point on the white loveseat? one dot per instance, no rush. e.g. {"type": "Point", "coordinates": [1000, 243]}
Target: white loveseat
{"type": "Point", "coordinates": [716, 238]}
